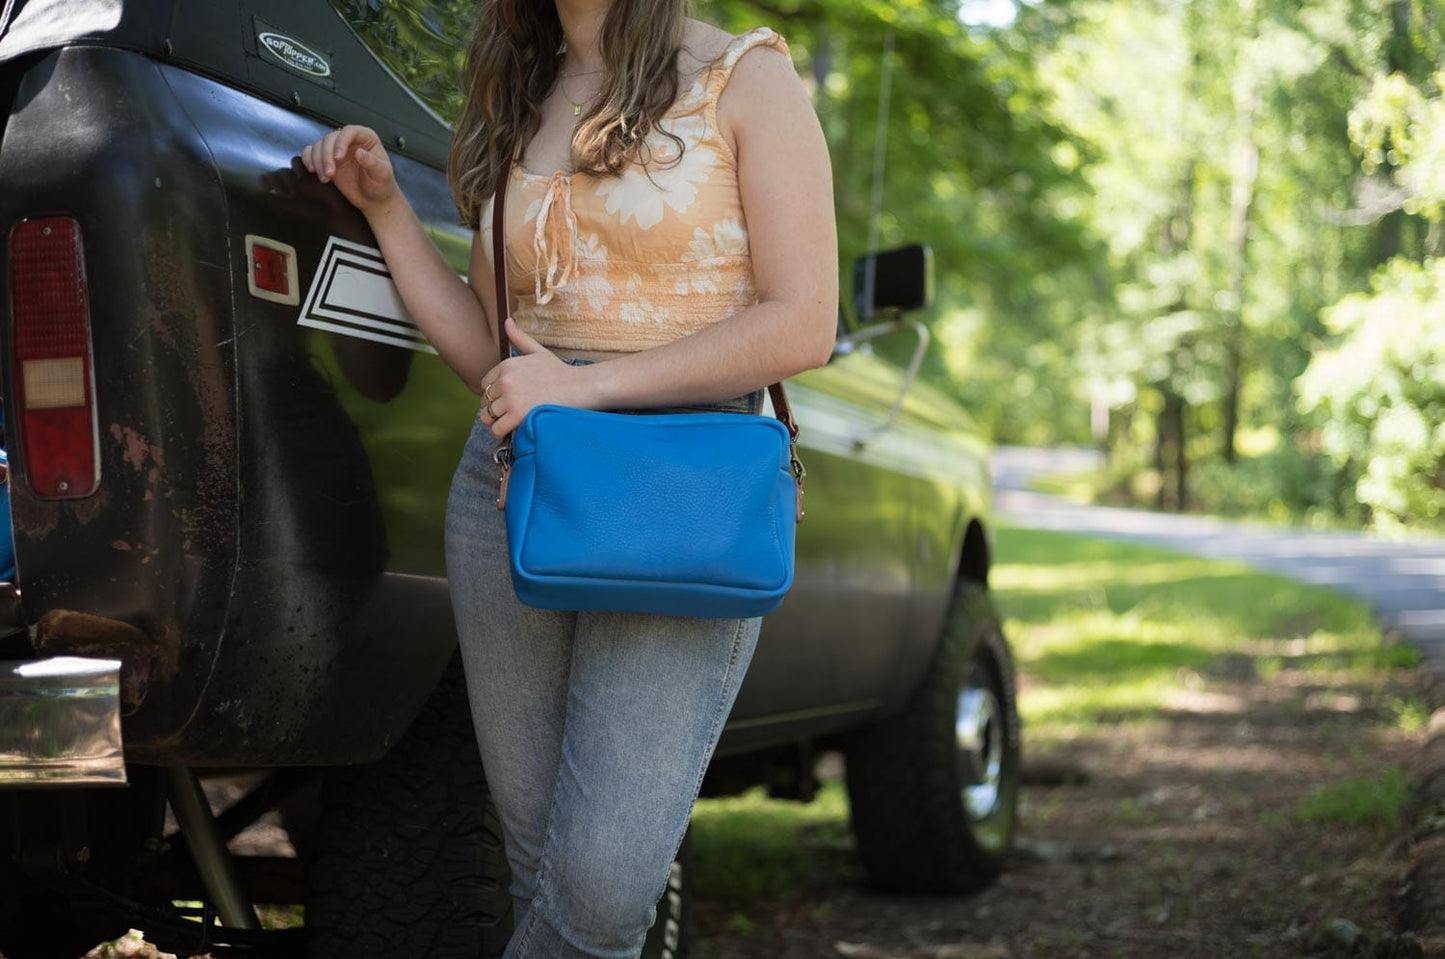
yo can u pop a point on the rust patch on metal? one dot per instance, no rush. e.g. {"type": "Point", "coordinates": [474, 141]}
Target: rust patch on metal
{"type": "Point", "coordinates": [92, 506]}
{"type": "Point", "coordinates": [137, 447]}
{"type": "Point", "coordinates": [65, 632]}
{"type": "Point", "coordinates": [36, 518]}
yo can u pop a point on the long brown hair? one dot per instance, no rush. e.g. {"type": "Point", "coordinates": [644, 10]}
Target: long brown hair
{"type": "Point", "coordinates": [512, 64]}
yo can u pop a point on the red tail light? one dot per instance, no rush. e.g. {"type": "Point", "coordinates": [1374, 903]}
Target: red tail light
{"type": "Point", "coordinates": [54, 388]}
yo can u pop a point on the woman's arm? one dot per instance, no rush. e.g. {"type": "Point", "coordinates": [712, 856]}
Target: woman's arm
{"type": "Point", "coordinates": [455, 317]}
{"type": "Point", "coordinates": [787, 196]}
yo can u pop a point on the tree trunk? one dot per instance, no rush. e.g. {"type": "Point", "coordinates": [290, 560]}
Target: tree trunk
{"type": "Point", "coordinates": [1246, 168]}
{"type": "Point", "coordinates": [1400, 57]}
{"type": "Point", "coordinates": [1171, 457]}
{"type": "Point", "coordinates": [1161, 459]}
{"type": "Point", "coordinates": [1181, 458]}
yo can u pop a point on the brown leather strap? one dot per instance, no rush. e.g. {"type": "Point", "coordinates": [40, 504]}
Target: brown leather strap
{"type": "Point", "coordinates": [499, 253]}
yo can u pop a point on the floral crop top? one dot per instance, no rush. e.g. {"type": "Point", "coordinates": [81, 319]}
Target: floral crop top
{"type": "Point", "coordinates": [630, 262]}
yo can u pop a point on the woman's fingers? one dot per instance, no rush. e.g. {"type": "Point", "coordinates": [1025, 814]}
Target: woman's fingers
{"type": "Point", "coordinates": [342, 144]}
{"type": "Point", "coordinates": [495, 411]}
{"type": "Point", "coordinates": [328, 152]}
{"type": "Point", "coordinates": [524, 342]}
{"type": "Point", "coordinates": [492, 399]}
{"type": "Point", "coordinates": [494, 405]}
{"type": "Point", "coordinates": [369, 166]}
{"type": "Point", "coordinates": [349, 143]}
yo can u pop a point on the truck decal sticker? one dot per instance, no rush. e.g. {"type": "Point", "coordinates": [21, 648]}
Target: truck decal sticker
{"type": "Point", "coordinates": [352, 294]}
{"type": "Point", "coordinates": [293, 53]}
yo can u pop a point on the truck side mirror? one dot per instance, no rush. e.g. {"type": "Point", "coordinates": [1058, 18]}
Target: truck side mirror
{"type": "Point", "coordinates": [900, 280]}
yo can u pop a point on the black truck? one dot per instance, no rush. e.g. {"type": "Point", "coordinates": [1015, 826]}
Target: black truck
{"type": "Point", "coordinates": [229, 450]}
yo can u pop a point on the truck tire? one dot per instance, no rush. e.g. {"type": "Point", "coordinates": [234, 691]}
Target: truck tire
{"type": "Point", "coordinates": [934, 790]}
{"type": "Point", "coordinates": [407, 859]}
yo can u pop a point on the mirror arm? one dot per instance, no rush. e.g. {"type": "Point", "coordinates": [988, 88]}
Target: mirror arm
{"type": "Point", "coordinates": [846, 343]}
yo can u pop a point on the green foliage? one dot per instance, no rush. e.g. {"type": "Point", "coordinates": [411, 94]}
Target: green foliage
{"type": "Point", "coordinates": [1285, 485]}
{"type": "Point", "coordinates": [423, 43]}
{"type": "Point", "coordinates": [1399, 128]}
{"type": "Point", "coordinates": [1251, 165]}
{"type": "Point", "coordinates": [1366, 802]}
{"type": "Point", "coordinates": [1380, 392]}
{"type": "Point", "coordinates": [1219, 168]}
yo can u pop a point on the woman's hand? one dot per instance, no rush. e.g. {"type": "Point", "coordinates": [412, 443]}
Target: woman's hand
{"type": "Point", "coordinates": [515, 385]}
{"type": "Point", "coordinates": [353, 159]}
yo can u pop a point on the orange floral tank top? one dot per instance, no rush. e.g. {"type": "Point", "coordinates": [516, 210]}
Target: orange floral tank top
{"type": "Point", "coordinates": [630, 262]}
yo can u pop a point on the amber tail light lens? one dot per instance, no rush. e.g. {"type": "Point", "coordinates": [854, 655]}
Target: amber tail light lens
{"type": "Point", "coordinates": [54, 385]}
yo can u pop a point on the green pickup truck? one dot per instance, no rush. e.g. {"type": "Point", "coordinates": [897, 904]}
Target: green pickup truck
{"type": "Point", "coordinates": [229, 452]}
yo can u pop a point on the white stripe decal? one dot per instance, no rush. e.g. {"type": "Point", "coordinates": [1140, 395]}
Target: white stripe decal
{"type": "Point", "coordinates": [352, 294]}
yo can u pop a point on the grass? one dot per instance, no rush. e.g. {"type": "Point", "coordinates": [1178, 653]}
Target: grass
{"type": "Point", "coordinates": [751, 847]}
{"type": "Point", "coordinates": [1367, 801]}
{"type": "Point", "coordinates": [1081, 487]}
{"type": "Point", "coordinates": [1117, 632]}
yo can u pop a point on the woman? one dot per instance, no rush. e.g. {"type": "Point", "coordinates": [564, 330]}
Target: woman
{"type": "Point", "coordinates": [671, 245]}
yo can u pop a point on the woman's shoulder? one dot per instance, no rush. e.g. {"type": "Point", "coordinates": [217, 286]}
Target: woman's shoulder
{"type": "Point", "coordinates": [702, 45]}
{"type": "Point", "coordinates": [706, 47]}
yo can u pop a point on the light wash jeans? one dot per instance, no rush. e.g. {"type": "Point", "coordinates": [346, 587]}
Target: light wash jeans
{"type": "Point", "coordinates": [595, 729]}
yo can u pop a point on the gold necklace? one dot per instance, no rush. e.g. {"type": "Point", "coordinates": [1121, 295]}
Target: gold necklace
{"type": "Point", "coordinates": [562, 84]}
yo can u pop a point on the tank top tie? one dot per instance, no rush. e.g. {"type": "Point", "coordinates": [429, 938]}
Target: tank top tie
{"type": "Point", "coordinates": [555, 238]}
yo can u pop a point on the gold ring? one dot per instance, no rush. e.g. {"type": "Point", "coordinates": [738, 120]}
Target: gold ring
{"type": "Point", "coordinates": [490, 412]}
{"type": "Point", "coordinates": [487, 390]}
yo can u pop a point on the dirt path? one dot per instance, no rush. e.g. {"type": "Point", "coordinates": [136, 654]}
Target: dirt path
{"type": "Point", "coordinates": [1185, 842]}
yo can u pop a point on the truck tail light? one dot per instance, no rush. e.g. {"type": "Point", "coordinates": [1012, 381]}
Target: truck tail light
{"type": "Point", "coordinates": [54, 385]}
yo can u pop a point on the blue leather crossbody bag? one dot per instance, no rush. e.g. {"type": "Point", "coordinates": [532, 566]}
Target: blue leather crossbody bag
{"type": "Point", "coordinates": [689, 514]}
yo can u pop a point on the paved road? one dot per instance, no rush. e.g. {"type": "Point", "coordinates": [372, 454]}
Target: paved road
{"type": "Point", "coordinates": [1404, 580]}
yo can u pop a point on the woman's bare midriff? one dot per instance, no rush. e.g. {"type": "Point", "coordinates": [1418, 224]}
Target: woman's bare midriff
{"type": "Point", "coordinates": [595, 356]}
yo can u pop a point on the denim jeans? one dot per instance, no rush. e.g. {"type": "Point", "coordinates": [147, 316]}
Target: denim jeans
{"type": "Point", "coordinates": [595, 729]}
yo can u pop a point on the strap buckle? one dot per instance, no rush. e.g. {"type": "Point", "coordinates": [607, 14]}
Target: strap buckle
{"type": "Point", "coordinates": [800, 476]}
{"type": "Point", "coordinates": [503, 458]}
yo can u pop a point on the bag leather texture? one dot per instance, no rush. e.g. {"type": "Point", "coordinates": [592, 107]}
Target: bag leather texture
{"type": "Point", "coordinates": [684, 514]}
{"type": "Point", "coordinates": [688, 514]}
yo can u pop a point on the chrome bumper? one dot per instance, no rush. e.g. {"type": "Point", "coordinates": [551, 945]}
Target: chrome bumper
{"type": "Point", "coordinates": [60, 723]}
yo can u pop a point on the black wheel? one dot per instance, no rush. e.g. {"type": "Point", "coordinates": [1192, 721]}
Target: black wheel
{"type": "Point", "coordinates": [667, 939]}
{"type": "Point", "coordinates": [407, 857]}
{"type": "Point", "coordinates": [934, 790]}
